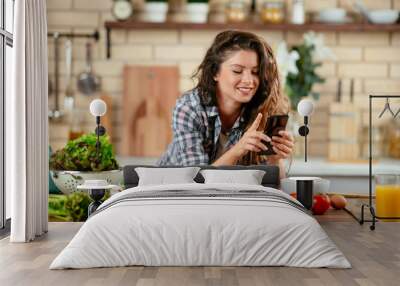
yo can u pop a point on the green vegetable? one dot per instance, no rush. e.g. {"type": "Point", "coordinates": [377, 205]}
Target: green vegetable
{"type": "Point", "coordinates": [57, 210]}
{"type": "Point", "coordinates": [81, 155]}
{"type": "Point", "coordinates": [56, 202]}
{"type": "Point", "coordinates": [299, 85]}
{"type": "Point", "coordinates": [72, 207]}
{"type": "Point", "coordinates": [76, 205]}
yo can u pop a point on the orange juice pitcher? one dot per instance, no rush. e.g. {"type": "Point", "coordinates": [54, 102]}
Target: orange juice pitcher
{"type": "Point", "coordinates": [387, 192]}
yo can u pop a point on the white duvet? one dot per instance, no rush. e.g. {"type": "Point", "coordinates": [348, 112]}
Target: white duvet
{"type": "Point", "coordinates": [183, 231]}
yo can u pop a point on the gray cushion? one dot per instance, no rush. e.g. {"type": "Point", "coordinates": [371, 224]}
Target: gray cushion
{"type": "Point", "coordinates": [270, 179]}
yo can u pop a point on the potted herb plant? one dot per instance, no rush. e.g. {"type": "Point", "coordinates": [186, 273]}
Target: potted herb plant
{"type": "Point", "coordinates": [197, 11]}
{"type": "Point", "coordinates": [154, 11]}
{"type": "Point", "coordinates": [298, 67]}
{"type": "Point", "coordinates": [79, 160]}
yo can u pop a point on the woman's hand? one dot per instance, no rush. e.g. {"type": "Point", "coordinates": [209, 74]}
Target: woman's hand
{"type": "Point", "coordinates": [252, 139]}
{"type": "Point", "coordinates": [282, 145]}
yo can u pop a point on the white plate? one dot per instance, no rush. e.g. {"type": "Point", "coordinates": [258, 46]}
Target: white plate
{"type": "Point", "coordinates": [336, 21]}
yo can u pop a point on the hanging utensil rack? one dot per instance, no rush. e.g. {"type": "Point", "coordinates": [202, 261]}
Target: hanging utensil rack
{"type": "Point", "coordinates": [370, 205]}
{"type": "Point", "coordinates": [56, 113]}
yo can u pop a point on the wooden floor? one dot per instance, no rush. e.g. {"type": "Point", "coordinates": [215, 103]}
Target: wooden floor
{"type": "Point", "coordinates": [374, 255]}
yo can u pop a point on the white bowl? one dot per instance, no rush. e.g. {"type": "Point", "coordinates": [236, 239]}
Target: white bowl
{"type": "Point", "coordinates": [154, 12]}
{"type": "Point", "coordinates": [156, 7]}
{"type": "Point", "coordinates": [386, 16]}
{"type": "Point", "coordinates": [334, 15]}
{"type": "Point", "coordinates": [197, 12]}
{"type": "Point", "coordinates": [68, 181]}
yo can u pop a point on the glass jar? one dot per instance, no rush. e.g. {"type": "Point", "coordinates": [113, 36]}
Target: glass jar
{"type": "Point", "coordinates": [377, 142]}
{"type": "Point", "coordinates": [394, 142]}
{"type": "Point", "coordinates": [236, 11]}
{"type": "Point", "coordinates": [76, 124]}
{"type": "Point", "coordinates": [273, 12]}
{"type": "Point", "coordinates": [387, 192]}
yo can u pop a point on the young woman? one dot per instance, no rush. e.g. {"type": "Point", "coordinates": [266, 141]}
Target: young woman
{"type": "Point", "coordinates": [221, 121]}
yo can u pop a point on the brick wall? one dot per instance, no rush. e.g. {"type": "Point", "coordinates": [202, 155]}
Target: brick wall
{"type": "Point", "coordinates": [372, 59]}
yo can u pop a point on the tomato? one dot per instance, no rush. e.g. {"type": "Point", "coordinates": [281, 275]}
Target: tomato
{"type": "Point", "coordinates": [328, 199]}
{"type": "Point", "coordinates": [320, 204]}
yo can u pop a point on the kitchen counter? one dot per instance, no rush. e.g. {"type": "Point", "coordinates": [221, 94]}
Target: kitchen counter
{"type": "Point", "coordinates": [322, 167]}
{"type": "Point", "coordinates": [345, 178]}
{"type": "Point", "coordinates": [314, 167]}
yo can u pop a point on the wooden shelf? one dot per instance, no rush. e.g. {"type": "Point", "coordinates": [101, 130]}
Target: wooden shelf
{"type": "Point", "coordinates": [319, 27]}
{"type": "Point", "coordinates": [357, 27]}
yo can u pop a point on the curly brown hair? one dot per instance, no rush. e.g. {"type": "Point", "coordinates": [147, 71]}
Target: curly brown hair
{"type": "Point", "coordinates": [268, 98]}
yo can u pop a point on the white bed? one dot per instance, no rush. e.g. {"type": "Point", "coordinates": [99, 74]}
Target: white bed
{"type": "Point", "coordinates": [224, 225]}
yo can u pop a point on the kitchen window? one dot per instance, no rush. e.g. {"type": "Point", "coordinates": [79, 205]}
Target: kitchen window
{"type": "Point", "coordinates": [6, 44]}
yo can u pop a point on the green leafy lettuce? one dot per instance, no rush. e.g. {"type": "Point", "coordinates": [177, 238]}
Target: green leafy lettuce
{"type": "Point", "coordinates": [81, 155]}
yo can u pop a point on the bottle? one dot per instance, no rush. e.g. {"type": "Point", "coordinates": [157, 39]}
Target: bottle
{"type": "Point", "coordinates": [298, 15]}
{"type": "Point", "coordinates": [394, 140]}
{"type": "Point", "coordinates": [76, 124]}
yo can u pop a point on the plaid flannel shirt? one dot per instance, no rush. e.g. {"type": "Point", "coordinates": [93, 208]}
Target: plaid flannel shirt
{"type": "Point", "coordinates": [196, 129]}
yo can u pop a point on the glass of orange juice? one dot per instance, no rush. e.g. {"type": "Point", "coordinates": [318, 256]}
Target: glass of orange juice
{"type": "Point", "coordinates": [387, 192]}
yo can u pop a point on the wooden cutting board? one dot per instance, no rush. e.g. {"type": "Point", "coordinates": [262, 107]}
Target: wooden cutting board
{"type": "Point", "coordinates": [344, 129]}
{"type": "Point", "coordinates": [150, 93]}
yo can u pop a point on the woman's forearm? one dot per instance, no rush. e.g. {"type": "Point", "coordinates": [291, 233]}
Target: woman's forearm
{"type": "Point", "coordinates": [280, 163]}
{"type": "Point", "coordinates": [230, 157]}
{"type": "Point", "coordinates": [282, 171]}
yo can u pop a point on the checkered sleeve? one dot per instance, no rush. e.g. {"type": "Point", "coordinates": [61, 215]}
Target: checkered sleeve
{"type": "Point", "coordinates": [189, 133]}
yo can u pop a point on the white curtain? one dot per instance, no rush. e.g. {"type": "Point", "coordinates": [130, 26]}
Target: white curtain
{"type": "Point", "coordinates": [27, 123]}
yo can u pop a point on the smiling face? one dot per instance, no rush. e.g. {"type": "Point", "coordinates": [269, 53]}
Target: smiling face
{"type": "Point", "coordinates": [237, 78]}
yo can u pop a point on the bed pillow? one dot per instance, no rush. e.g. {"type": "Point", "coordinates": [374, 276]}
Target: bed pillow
{"type": "Point", "coordinates": [163, 176]}
{"type": "Point", "coordinates": [249, 177]}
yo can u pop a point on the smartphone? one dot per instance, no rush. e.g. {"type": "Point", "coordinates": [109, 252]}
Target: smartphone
{"type": "Point", "coordinates": [275, 123]}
